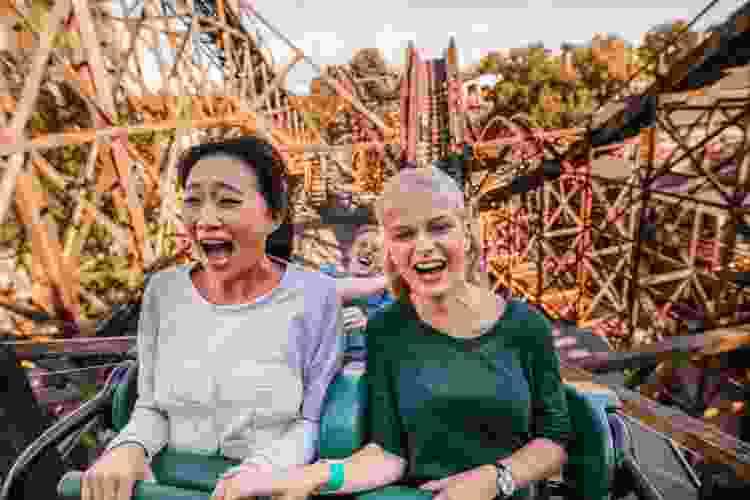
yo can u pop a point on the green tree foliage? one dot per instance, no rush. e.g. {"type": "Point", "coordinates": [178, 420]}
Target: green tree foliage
{"type": "Point", "coordinates": [659, 38]}
{"type": "Point", "coordinates": [539, 86]}
{"type": "Point", "coordinates": [535, 85]}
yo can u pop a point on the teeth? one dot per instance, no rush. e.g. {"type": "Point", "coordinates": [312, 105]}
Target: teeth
{"type": "Point", "coordinates": [428, 266]}
{"type": "Point", "coordinates": [214, 242]}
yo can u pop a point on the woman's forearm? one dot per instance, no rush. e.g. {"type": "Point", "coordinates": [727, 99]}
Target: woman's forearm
{"type": "Point", "coordinates": [540, 459]}
{"type": "Point", "coordinates": [367, 469]}
{"type": "Point", "coordinates": [352, 288]}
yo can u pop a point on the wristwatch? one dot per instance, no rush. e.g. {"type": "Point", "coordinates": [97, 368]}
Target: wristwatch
{"type": "Point", "coordinates": [505, 484]}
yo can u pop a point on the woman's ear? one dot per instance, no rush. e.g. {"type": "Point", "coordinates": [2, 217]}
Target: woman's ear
{"type": "Point", "coordinates": [275, 225]}
{"type": "Point", "coordinates": [468, 236]}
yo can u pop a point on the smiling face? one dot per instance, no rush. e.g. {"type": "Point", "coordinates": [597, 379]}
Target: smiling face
{"type": "Point", "coordinates": [365, 254]}
{"type": "Point", "coordinates": [225, 214]}
{"type": "Point", "coordinates": [426, 240]}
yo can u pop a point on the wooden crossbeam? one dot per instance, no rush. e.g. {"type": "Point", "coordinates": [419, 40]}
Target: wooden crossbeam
{"type": "Point", "coordinates": [247, 120]}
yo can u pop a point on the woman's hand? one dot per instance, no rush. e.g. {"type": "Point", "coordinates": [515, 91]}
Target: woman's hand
{"type": "Point", "coordinates": [294, 483]}
{"type": "Point", "coordinates": [567, 347]}
{"type": "Point", "coordinates": [249, 480]}
{"type": "Point", "coordinates": [474, 484]}
{"type": "Point", "coordinates": [353, 318]}
{"type": "Point", "coordinates": [113, 476]}
{"type": "Point", "coordinates": [301, 482]}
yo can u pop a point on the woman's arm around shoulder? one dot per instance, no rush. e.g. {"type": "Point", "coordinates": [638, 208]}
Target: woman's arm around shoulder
{"type": "Point", "coordinates": [350, 288]}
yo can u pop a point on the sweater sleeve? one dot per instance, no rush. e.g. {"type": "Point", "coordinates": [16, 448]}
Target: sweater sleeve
{"type": "Point", "coordinates": [550, 409]}
{"type": "Point", "coordinates": [384, 423]}
{"type": "Point", "coordinates": [148, 425]}
{"type": "Point", "coordinates": [321, 364]}
{"type": "Point", "coordinates": [324, 356]}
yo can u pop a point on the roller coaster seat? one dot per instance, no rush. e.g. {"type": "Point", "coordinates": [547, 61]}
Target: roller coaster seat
{"type": "Point", "coordinates": [341, 430]}
{"type": "Point", "coordinates": [588, 475]}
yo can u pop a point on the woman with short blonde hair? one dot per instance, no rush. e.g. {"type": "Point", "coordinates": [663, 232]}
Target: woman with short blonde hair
{"type": "Point", "coordinates": [465, 395]}
{"type": "Point", "coordinates": [439, 183]}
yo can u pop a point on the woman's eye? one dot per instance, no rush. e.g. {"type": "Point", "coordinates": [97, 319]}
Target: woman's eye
{"type": "Point", "coordinates": [191, 201]}
{"type": "Point", "coordinates": [403, 236]}
{"type": "Point", "coordinates": [441, 228]}
{"type": "Point", "coordinates": [228, 201]}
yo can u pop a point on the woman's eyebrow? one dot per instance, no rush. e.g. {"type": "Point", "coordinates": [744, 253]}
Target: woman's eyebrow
{"type": "Point", "coordinates": [221, 184]}
{"type": "Point", "coordinates": [441, 218]}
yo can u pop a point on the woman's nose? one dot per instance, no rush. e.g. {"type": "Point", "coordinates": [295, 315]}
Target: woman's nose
{"type": "Point", "coordinates": [209, 216]}
{"type": "Point", "coordinates": [424, 243]}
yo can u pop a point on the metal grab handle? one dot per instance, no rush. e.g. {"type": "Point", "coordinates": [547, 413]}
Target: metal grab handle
{"type": "Point", "coordinates": [69, 488]}
{"type": "Point", "coordinates": [641, 484]}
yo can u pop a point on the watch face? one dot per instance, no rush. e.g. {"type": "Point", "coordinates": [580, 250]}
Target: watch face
{"type": "Point", "coordinates": [504, 481]}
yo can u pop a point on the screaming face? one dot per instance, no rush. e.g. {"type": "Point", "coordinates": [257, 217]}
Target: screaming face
{"type": "Point", "coordinates": [365, 254]}
{"type": "Point", "coordinates": [225, 215]}
{"type": "Point", "coordinates": [426, 241]}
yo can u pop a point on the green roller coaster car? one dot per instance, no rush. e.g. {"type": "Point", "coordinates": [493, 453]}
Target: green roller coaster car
{"type": "Point", "coordinates": [597, 459]}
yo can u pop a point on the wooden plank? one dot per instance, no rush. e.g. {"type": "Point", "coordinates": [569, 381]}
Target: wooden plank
{"type": "Point", "coordinates": [15, 131]}
{"type": "Point", "coordinates": [89, 135]}
{"type": "Point", "coordinates": [707, 439]}
{"type": "Point", "coordinates": [46, 247]}
{"type": "Point", "coordinates": [708, 344]}
{"type": "Point", "coordinates": [123, 195]}
{"type": "Point", "coordinates": [97, 345]}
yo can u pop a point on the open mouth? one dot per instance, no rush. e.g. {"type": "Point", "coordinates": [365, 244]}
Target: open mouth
{"type": "Point", "coordinates": [430, 267]}
{"type": "Point", "coordinates": [365, 261]}
{"type": "Point", "coordinates": [217, 249]}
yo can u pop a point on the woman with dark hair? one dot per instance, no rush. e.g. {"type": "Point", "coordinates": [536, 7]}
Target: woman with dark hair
{"type": "Point", "coordinates": [236, 350]}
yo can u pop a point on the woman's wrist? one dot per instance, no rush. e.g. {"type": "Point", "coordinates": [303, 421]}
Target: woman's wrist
{"type": "Point", "coordinates": [488, 473]}
{"type": "Point", "coordinates": [319, 474]}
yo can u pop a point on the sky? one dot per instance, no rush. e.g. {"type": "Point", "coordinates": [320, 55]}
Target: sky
{"type": "Point", "coordinates": [331, 31]}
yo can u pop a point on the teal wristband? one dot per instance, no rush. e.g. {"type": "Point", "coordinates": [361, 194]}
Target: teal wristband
{"type": "Point", "coordinates": [336, 481]}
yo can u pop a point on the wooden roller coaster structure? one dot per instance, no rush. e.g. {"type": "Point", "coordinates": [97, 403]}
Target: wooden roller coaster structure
{"type": "Point", "coordinates": [81, 123]}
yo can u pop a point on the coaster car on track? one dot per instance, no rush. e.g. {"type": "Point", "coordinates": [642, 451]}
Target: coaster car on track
{"type": "Point", "coordinates": [599, 466]}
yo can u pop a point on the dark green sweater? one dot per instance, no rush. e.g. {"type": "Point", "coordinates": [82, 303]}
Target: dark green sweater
{"type": "Point", "coordinates": [448, 405]}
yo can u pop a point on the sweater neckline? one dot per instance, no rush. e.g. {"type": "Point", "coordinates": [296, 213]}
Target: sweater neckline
{"type": "Point", "coordinates": [260, 300]}
{"type": "Point", "coordinates": [489, 331]}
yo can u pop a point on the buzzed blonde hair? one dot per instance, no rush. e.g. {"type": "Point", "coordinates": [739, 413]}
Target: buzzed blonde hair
{"type": "Point", "coordinates": [432, 180]}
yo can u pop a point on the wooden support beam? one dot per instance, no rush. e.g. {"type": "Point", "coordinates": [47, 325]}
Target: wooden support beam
{"type": "Point", "coordinates": [274, 85]}
{"type": "Point", "coordinates": [54, 281]}
{"type": "Point", "coordinates": [692, 433]}
{"type": "Point", "coordinates": [96, 345]}
{"type": "Point", "coordinates": [712, 343]}
{"type": "Point", "coordinates": [14, 134]}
